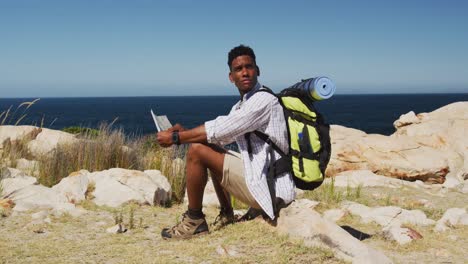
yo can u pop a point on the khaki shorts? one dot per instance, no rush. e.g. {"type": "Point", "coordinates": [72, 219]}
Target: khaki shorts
{"type": "Point", "coordinates": [234, 180]}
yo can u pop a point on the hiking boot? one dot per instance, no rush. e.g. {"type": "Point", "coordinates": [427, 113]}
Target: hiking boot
{"type": "Point", "coordinates": [223, 219]}
{"type": "Point", "coordinates": [186, 229]}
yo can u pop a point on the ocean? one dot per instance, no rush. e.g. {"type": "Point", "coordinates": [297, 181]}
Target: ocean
{"type": "Point", "coordinates": [369, 113]}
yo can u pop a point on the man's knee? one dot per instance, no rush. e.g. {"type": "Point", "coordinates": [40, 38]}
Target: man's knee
{"type": "Point", "coordinates": [195, 150]}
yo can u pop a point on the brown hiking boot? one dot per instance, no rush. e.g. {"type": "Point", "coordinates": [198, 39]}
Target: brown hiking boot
{"type": "Point", "coordinates": [186, 229]}
{"type": "Point", "coordinates": [223, 219]}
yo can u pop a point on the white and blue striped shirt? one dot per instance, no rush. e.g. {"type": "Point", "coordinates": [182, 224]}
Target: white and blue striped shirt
{"type": "Point", "coordinates": [256, 111]}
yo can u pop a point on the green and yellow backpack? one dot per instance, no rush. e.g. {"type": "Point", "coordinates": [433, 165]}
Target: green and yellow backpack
{"type": "Point", "coordinates": [308, 138]}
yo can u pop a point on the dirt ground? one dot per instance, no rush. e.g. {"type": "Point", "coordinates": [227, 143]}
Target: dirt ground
{"type": "Point", "coordinates": [84, 239]}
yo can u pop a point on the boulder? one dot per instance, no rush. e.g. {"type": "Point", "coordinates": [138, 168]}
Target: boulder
{"type": "Point", "coordinates": [48, 140]}
{"type": "Point", "coordinates": [427, 147]}
{"type": "Point", "coordinates": [116, 186]}
{"type": "Point", "coordinates": [319, 232]}
{"type": "Point", "coordinates": [16, 133]}
{"type": "Point", "coordinates": [36, 197]}
{"type": "Point", "coordinates": [11, 185]}
{"type": "Point", "coordinates": [451, 218]}
{"type": "Point", "coordinates": [387, 215]}
{"type": "Point", "coordinates": [14, 180]}
{"type": "Point", "coordinates": [400, 158]}
{"type": "Point", "coordinates": [74, 186]}
{"type": "Point", "coordinates": [402, 235]}
{"type": "Point", "coordinates": [163, 194]}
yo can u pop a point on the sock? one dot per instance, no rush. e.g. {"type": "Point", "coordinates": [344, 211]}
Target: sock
{"type": "Point", "coordinates": [195, 213]}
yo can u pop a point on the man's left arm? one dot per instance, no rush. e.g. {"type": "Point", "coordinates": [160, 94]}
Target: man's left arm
{"type": "Point", "coordinates": [195, 135]}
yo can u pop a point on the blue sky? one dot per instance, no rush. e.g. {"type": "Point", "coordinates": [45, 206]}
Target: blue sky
{"type": "Point", "coordinates": [154, 48]}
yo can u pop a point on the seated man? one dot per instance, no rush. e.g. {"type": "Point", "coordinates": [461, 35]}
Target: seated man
{"type": "Point", "coordinates": [242, 175]}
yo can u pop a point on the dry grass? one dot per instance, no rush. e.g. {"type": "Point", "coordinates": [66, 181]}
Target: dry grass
{"type": "Point", "coordinates": [71, 240]}
{"type": "Point", "coordinates": [330, 196]}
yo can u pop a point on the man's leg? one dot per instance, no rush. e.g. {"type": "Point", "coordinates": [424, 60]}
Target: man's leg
{"type": "Point", "coordinates": [201, 157]}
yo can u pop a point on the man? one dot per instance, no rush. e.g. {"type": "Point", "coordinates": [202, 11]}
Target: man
{"type": "Point", "coordinates": [242, 175]}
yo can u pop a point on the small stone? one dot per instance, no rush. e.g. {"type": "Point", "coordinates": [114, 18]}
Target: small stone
{"type": "Point", "coordinates": [117, 229]}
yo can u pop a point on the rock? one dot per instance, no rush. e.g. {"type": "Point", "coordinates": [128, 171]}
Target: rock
{"type": "Point", "coordinates": [402, 235]}
{"type": "Point", "coordinates": [14, 133]}
{"type": "Point", "coordinates": [30, 167]}
{"type": "Point", "coordinates": [334, 215]}
{"type": "Point", "coordinates": [11, 185]}
{"type": "Point", "coordinates": [365, 178]}
{"type": "Point", "coordinates": [388, 215]}
{"type": "Point", "coordinates": [74, 186]}
{"type": "Point", "coordinates": [452, 182]}
{"type": "Point", "coordinates": [451, 218]}
{"type": "Point", "coordinates": [406, 119]}
{"type": "Point", "coordinates": [117, 229]}
{"type": "Point", "coordinates": [48, 140]}
{"type": "Point", "coordinates": [398, 157]}
{"type": "Point", "coordinates": [323, 233]}
{"type": "Point", "coordinates": [116, 186]}
{"type": "Point", "coordinates": [38, 197]}
{"type": "Point", "coordinates": [11, 173]}
{"type": "Point", "coordinates": [165, 193]}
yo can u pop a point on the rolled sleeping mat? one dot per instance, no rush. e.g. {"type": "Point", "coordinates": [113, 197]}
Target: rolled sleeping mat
{"type": "Point", "coordinates": [321, 88]}
{"type": "Point", "coordinates": [318, 88]}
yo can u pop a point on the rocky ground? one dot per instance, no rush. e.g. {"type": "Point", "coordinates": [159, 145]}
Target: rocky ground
{"type": "Point", "coordinates": [399, 198]}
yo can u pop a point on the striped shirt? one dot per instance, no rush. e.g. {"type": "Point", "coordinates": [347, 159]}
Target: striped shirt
{"type": "Point", "coordinates": [256, 111]}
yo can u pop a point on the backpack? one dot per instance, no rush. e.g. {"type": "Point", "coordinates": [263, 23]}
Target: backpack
{"type": "Point", "coordinates": [308, 139]}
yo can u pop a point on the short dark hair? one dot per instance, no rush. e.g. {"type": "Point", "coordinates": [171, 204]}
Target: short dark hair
{"type": "Point", "coordinates": [240, 50]}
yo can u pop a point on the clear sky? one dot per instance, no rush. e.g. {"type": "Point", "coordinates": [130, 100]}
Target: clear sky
{"type": "Point", "coordinates": [152, 48]}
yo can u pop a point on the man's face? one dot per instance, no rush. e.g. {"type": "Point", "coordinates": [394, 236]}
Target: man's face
{"type": "Point", "coordinates": [244, 73]}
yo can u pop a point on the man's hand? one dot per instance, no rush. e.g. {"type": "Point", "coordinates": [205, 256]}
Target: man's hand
{"type": "Point", "coordinates": [177, 127]}
{"type": "Point", "coordinates": [164, 138]}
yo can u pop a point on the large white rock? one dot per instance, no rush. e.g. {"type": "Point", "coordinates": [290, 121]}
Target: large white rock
{"type": "Point", "coordinates": [15, 133]}
{"type": "Point", "coordinates": [298, 220]}
{"type": "Point", "coordinates": [387, 215]}
{"type": "Point", "coordinates": [74, 186]}
{"type": "Point", "coordinates": [394, 157]}
{"type": "Point", "coordinates": [116, 186]}
{"type": "Point", "coordinates": [11, 185]}
{"type": "Point", "coordinates": [35, 197]}
{"type": "Point", "coordinates": [13, 180]}
{"type": "Point", "coordinates": [426, 146]}
{"type": "Point", "coordinates": [402, 235]}
{"type": "Point", "coordinates": [451, 218]}
{"type": "Point", "coordinates": [48, 140]}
